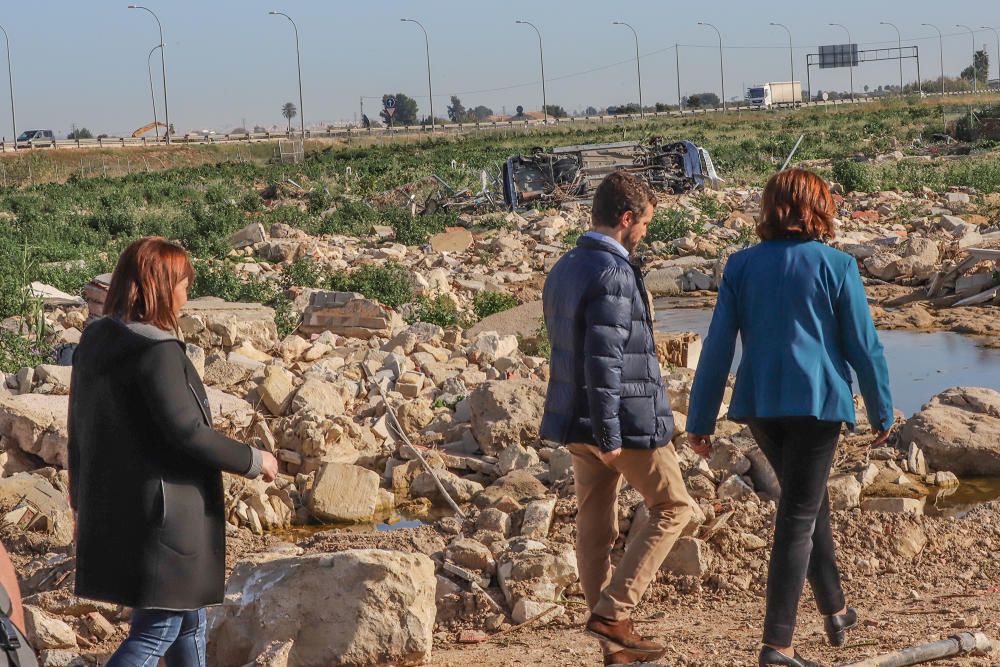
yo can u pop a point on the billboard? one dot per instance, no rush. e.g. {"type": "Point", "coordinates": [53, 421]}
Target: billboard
{"type": "Point", "coordinates": [838, 55]}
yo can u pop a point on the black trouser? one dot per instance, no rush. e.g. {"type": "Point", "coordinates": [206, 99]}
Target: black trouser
{"type": "Point", "coordinates": [800, 449]}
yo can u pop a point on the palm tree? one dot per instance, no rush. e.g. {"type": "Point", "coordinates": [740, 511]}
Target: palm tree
{"type": "Point", "coordinates": [289, 112]}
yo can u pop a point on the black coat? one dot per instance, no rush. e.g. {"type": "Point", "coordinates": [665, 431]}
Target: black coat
{"type": "Point", "coordinates": [605, 386]}
{"type": "Point", "coordinates": [144, 465]}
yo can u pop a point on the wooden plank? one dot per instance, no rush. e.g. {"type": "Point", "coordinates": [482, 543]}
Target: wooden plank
{"type": "Point", "coordinates": [982, 297]}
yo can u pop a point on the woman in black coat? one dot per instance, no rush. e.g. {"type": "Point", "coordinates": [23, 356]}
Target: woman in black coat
{"type": "Point", "coordinates": [145, 464]}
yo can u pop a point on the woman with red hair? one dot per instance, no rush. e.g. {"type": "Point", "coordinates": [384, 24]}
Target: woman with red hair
{"type": "Point", "coordinates": [145, 464]}
{"type": "Point", "coordinates": [800, 309]}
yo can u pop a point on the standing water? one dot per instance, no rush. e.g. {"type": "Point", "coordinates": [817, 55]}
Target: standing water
{"type": "Point", "coordinates": [921, 365]}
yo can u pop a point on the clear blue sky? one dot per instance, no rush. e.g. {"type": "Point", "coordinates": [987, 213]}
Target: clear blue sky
{"type": "Point", "coordinates": [84, 61]}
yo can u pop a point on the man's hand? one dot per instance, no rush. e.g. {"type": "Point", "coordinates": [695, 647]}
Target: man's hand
{"type": "Point", "coordinates": [269, 467]}
{"type": "Point", "coordinates": [701, 444]}
{"type": "Point", "coordinates": [881, 437]}
{"type": "Point", "coordinates": [608, 458]}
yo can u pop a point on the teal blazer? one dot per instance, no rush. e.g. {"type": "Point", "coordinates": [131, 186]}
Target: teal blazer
{"type": "Point", "coordinates": [801, 312]}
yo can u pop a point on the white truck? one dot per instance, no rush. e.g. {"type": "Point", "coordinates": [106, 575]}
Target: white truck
{"type": "Point", "coordinates": [775, 94]}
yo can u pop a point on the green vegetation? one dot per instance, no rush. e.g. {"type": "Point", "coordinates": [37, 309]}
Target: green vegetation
{"type": "Point", "coordinates": [440, 310]}
{"type": "Point", "coordinates": [64, 233]}
{"type": "Point", "coordinates": [670, 224]}
{"type": "Point", "coordinates": [488, 303]}
{"type": "Point", "coordinates": [389, 284]}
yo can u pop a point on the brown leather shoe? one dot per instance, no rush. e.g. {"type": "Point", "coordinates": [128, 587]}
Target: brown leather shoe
{"type": "Point", "coordinates": [628, 657]}
{"type": "Point", "coordinates": [623, 634]}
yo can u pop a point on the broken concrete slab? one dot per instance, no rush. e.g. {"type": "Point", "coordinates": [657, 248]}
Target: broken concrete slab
{"type": "Point", "coordinates": [348, 314]}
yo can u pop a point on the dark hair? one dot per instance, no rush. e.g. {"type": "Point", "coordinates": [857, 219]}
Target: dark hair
{"type": "Point", "coordinates": [620, 192]}
{"type": "Point", "coordinates": [142, 286]}
{"type": "Point", "coordinates": [796, 204]}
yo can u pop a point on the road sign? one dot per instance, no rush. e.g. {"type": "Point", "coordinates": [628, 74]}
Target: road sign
{"type": "Point", "coordinates": [390, 106]}
{"type": "Point", "coordinates": [838, 55]}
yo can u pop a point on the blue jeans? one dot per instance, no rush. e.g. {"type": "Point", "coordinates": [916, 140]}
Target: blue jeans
{"type": "Point", "coordinates": [177, 636]}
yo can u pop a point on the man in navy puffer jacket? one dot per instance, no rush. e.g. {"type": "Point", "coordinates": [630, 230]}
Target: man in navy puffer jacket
{"type": "Point", "coordinates": [606, 402]}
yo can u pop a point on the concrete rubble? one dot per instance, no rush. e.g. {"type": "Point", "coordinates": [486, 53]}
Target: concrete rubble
{"type": "Point", "coordinates": [471, 401]}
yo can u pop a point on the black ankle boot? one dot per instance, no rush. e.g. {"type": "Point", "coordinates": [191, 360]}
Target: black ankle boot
{"type": "Point", "coordinates": [837, 625]}
{"type": "Point", "coordinates": [772, 657]}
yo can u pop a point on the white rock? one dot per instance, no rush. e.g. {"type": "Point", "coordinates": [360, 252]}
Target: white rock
{"type": "Point", "coordinates": [356, 607]}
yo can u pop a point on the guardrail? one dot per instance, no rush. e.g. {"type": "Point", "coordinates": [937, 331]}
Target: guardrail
{"type": "Point", "coordinates": [408, 130]}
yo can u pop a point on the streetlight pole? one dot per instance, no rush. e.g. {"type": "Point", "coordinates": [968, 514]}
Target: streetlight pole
{"type": "Point", "coordinates": [10, 80]}
{"type": "Point", "coordinates": [427, 46]}
{"type": "Point", "coordinates": [298, 60]}
{"type": "Point", "coordinates": [541, 58]}
{"type": "Point", "coordinates": [899, 43]}
{"type": "Point", "coordinates": [940, 50]}
{"type": "Point", "coordinates": [152, 95]}
{"type": "Point", "coordinates": [722, 67]}
{"type": "Point", "coordinates": [986, 27]}
{"type": "Point", "coordinates": [850, 42]}
{"type": "Point", "coordinates": [972, 34]}
{"type": "Point", "coordinates": [791, 57]}
{"type": "Point", "coordinates": [163, 67]}
{"type": "Point", "coordinates": [638, 70]}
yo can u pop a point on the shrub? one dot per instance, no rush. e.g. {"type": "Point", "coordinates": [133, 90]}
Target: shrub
{"type": "Point", "coordinates": [17, 352]}
{"type": "Point", "coordinates": [711, 207]}
{"type": "Point", "coordinates": [488, 303]}
{"type": "Point", "coordinates": [221, 279]}
{"type": "Point", "coordinates": [856, 176]}
{"type": "Point", "coordinates": [303, 272]}
{"type": "Point", "coordinates": [671, 224]}
{"type": "Point", "coordinates": [388, 284]}
{"type": "Point", "coordinates": [439, 310]}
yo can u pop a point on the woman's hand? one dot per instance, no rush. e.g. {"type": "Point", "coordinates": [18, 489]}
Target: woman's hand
{"type": "Point", "coordinates": [881, 437]}
{"type": "Point", "coordinates": [269, 466]}
{"type": "Point", "coordinates": [701, 444]}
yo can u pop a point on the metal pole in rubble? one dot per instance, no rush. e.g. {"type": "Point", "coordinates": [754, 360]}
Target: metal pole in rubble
{"type": "Point", "coordinates": [986, 27]}
{"type": "Point", "coordinates": [964, 643]}
{"type": "Point", "coordinates": [298, 60]}
{"type": "Point", "coordinates": [638, 70]}
{"type": "Point", "coordinates": [940, 50]}
{"type": "Point", "coordinates": [975, 85]}
{"type": "Point", "coordinates": [152, 95]}
{"type": "Point", "coordinates": [163, 67]}
{"type": "Point", "coordinates": [791, 57]}
{"type": "Point", "coordinates": [849, 55]}
{"type": "Point", "coordinates": [427, 46]}
{"type": "Point", "coordinates": [541, 58]}
{"type": "Point", "coordinates": [10, 80]}
{"type": "Point", "coordinates": [722, 67]}
{"type": "Point", "coordinates": [899, 43]}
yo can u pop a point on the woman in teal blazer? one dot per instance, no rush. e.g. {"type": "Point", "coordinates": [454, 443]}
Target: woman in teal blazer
{"type": "Point", "coordinates": [800, 309]}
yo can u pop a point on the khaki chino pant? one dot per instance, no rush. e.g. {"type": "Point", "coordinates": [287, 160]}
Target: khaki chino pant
{"type": "Point", "coordinates": [613, 592]}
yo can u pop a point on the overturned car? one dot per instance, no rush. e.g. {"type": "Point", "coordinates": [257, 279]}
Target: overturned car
{"type": "Point", "coordinates": [573, 172]}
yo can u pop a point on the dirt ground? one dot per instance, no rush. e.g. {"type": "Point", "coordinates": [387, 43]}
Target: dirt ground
{"type": "Point", "coordinates": [949, 587]}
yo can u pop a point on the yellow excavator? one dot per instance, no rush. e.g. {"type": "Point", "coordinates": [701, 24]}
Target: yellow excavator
{"type": "Point", "coordinates": [146, 128]}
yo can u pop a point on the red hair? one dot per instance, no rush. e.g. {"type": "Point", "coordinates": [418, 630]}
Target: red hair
{"type": "Point", "coordinates": [796, 204]}
{"type": "Point", "coordinates": [142, 286]}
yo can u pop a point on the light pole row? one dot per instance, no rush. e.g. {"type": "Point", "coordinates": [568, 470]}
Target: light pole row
{"type": "Point", "coordinates": [541, 55]}
{"type": "Point", "coordinates": [163, 69]}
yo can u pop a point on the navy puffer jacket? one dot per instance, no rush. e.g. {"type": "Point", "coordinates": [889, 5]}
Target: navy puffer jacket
{"type": "Point", "coordinates": [605, 387]}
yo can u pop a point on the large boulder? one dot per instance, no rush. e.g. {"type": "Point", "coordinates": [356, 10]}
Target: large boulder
{"type": "Point", "coordinates": [959, 431]}
{"type": "Point", "coordinates": [36, 424]}
{"type": "Point", "coordinates": [344, 493]}
{"type": "Point", "coordinates": [356, 607]}
{"type": "Point", "coordinates": [523, 321]}
{"type": "Point", "coordinates": [506, 412]}
{"type": "Point", "coordinates": [212, 322]}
